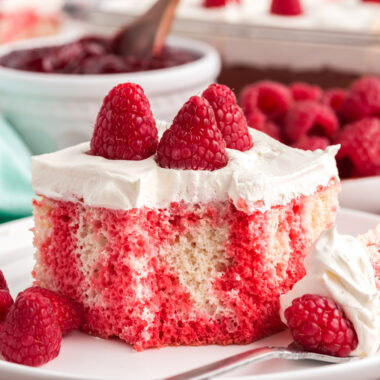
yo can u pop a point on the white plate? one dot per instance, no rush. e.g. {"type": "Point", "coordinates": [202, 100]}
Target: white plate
{"type": "Point", "coordinates": [85, 357]}
{"type": "Point", "coordinates": [361, 194]}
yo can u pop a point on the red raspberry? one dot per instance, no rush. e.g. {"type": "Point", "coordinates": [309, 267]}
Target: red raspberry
{"type": "Point", "coordinates": [304, 91]}
{"type": "Point", "coordinates": [229, 117]}
{"type": "Point", "coordinates": [248, 99]}
{"type": "Point", "coordinates": [311, 143]}
{"type": "Point", "coordinates": [272, 130]}
{"type": "Point", "coordinates": [319, 325]}
{"type": "Point", "coordinates": [125, 128]}
{"type": "Point", "coordinates": [68, 313]}
{"type": "Point", "coordinates": [256, 119]}
{"type": "Point", "coordinates": [6, 301]}
{"type": "Point", "coordinates": [362, 100]}
{"type": "Point", "coordinates": [310, 118]}
{"type": "Point", "coordinates": [3, 281]}
{"type": "Point", "coordinates": [268, 127]}
{"type": "Point", "coordinates": [30, 334]}
{"type": "Point", "coordinates": [271, 98]}
{"type": "Point", "coordinates": [193, 141]}
{"type": "Point", "coordinates": [360, 146]}
{"type": "Point", "coordinates": [334, 98]}
{"type": "Point", "coordinates": [286, 7]}
{"type": "Point", "coordinates": [217, 3]}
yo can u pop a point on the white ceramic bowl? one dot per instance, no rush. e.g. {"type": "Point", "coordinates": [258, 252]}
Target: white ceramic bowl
{"type": "Point", "coordinates": [53, 111]}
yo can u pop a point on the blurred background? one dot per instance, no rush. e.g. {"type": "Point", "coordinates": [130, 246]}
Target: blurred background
{"type": "Point", "coordinates": [318, 57]}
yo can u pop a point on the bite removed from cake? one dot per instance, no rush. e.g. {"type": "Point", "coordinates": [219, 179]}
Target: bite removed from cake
{"type": "Point", "coordinates": [160, 256]}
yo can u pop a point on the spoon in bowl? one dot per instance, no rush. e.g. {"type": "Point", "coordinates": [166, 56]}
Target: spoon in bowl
{"type": "Point", "coordinates": [145, 37]}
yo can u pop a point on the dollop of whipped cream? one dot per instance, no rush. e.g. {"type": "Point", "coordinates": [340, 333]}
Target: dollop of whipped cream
{"type": "Point", "coordinates": [268, 174]}
{"type": "Point", "coordinates": [338, 267]}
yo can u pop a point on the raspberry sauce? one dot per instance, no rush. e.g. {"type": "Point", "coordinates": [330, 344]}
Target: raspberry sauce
{"type": "Point", "coordinates": [91, 55]}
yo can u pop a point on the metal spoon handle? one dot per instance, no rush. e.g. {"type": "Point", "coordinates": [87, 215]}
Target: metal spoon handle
{"type": "Point", "coordinates": [253, 356]}
{"type": "Point", "coordinates": [225, 365]}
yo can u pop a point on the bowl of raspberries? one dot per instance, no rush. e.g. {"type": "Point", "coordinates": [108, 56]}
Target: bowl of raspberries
{"type": "Point", "coordinates": [306, 117]}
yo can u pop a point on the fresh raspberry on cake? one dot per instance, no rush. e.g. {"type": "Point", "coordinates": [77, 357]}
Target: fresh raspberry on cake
{"type": "Point", "coordinates": [31, 334]}
{"type": "Point", "coordinates": [218, 3]}
{"type": "Point", "coordinates": [271, 98]}
{"type": "Point", "coordinates": [305, 91]}
{"type": "Point", "coordinates": [319, 325]}
{"type": "Point", "coordinates": [363, 99]}
{"type": "Point", "coordinates": [311, 143]}
{"type": "Point", "coordinates": [68, 313]}
{"type": "Point", "coordinates": [229, 117]}
{"type": "Point", "coordinates": [359, 154]}
{"type": "Point", "coordinates": [286, 7]}
{"type": "Point", "coordinates": [193, 141]}
{"type": "Point", "coordinates": [310, 118]}
{"type": "Point", "coordinates": [214, 3]}
{"type": "Point", "coordinates": [125, 128]}
{"type": "Point", "coordinates": [334, 98]}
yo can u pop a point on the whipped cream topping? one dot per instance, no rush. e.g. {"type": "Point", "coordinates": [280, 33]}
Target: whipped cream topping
{"type": "Point", "coordinates": [338, 267]}
{"type": "Point", "coordinates": [268, 174]}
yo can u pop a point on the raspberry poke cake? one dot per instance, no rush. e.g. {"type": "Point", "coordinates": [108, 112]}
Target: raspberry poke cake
{"type": "Point", "coordinates": [179, 234]}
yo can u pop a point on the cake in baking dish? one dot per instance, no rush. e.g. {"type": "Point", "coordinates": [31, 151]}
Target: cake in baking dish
{"type": "Point", "coordinates": [159, 255]}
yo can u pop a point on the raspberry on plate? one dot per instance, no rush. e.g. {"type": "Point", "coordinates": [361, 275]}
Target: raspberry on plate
{"type": "Point", "coordinates": [286, 7]}
{"type": "Point", "coordinates": [3, 281]}
{"type": "Point", "coordinates": [311, 143]}
{"type": "Point", "coordinates": [305, 91]}
{"type": "Point", "coordinates": [310, 118]}
{"type": "Point", "coordinates": [68, 313]}
{"type": "Point", "coordinates": [319, 325]}
{"type": "Point", "coordinates": [271, 98]}
{"type": "Point", "coordinates": [125, 128]}
{"type": "Point", "coordinates": [334, 98]}
{"type": "Point", "coordinates": [6, 302]}
{"type": "Point", "coordinates": [359, 154]}
{"type": "Point", "coordinates": [193, 141]}
{"type": "Point", "coordinates": [31, 334]}
{"type": "Point", "coordinates": [229, 117]}
{"type": "Point", "coordinates": [362, 100]}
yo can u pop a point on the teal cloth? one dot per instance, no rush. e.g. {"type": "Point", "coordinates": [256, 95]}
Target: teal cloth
{"type": "Point", "coordinates": [15, 175]}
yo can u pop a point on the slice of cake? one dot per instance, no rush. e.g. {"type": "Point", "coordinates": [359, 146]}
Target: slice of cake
{"type": "Point", "coordinates": [191, 246]}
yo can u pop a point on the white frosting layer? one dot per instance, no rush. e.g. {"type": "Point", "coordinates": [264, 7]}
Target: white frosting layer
{"type": "Point", "coordinates": [338, 267]}
{"type": "Point", "coordinates": [268, 174]}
